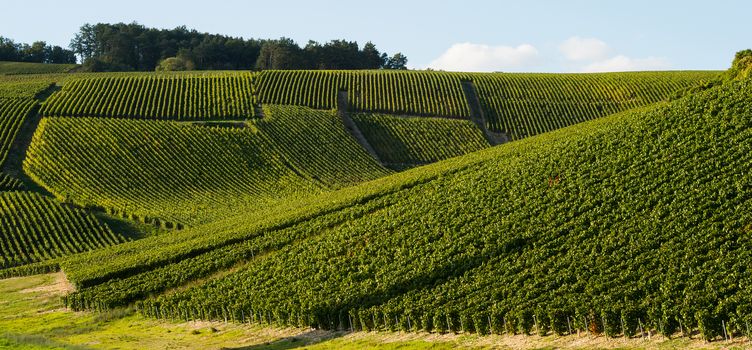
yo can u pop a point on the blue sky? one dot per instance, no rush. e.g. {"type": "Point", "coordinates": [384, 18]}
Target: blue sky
{"type": "Point", "coordinates": [545, 36]}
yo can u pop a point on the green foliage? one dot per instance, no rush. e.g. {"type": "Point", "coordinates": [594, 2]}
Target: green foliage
{"type": "Point", "coordinates": [173, 174]}
{"type": "Point", "coordinates": [22, 89]}
{"type": "Point", "coordinates": [520, 105]}
{"type": "Point", "coordinates": [491, 234]}
{"type": "Point", "coordinates": [175, 64]}
{"type": "Point", "coordinates": [402, 92]}
{"type": "Point", "coordinates": [161, 172]}
{"type": "Point", "coordinates": [316, 143]}
{"type": "Point", "coordinates": [34, 68]}
{"type": "Point", "coordinates": [741, 67]}
{"type": "Point", "coordinates": [157, 96]}
{"type": "Point", "coordinates": [415, 141]}
{"type": "Point", "coordinates": [527, 104]}
{"type": "Point", "coordinates": [9, 183]}
{"type": "Point", "coordinates": [12, 114]}
{"type": "Point", "coordinates": [36, 228]}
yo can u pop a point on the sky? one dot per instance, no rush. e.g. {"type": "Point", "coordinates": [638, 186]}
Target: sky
{"type": "Point", "coordinates": [462, 35]}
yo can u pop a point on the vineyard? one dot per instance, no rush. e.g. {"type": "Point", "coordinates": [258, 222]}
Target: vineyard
{"type": "Point", "coordinates": [36, 228]}
{"type": "Point", "coordinates": [413, 93]}
{"type": "Point", "coordinates": [621, 207]}
{"type": "Point", "coordinates": [165, 96]}
{"type": "Point", "coordinates": [160, 172]}
{"type": "Point", "coordinates": [11, 68]}
{"type": "Point", "coordinates": [12, 114]}
{"type": "Point", "coordinates": [524, 105]}
{"type": "Point", "coordinates": [175, 174]}
{"type": "Point", "coordinates": [415, 141]}
{"type": "Point", "coordinates": [540, 235]}
{"type": "Point", "coordinates": [9, 183]}
{"type": "Point", "coordinates": [318, 145]}
{"type": "Point", "coordinates": [519, 105]}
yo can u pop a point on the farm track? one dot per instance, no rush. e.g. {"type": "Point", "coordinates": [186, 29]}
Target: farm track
{"type": "Point", "coordinates": [342, 104]}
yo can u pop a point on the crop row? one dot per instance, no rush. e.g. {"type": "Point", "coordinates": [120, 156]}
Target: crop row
{"type": "Point", "coordinates": [9, 183]}
{"type": "Point", "coordinates": [37, 228]}
{"type": "Point", "coordinates": [186, 97]}
{"type": "Point", "coordinates": [523, 105]}
{"type": "Point", "coordinates": [414, 93]}
{"type": "Point", "coordinates": [12, 114]}
{"type": "Point", "coordinates": [158, 171]}
{"type": "Point", "coordinates": [176, 174]}
{"type": "Point", "coordinates": [413, 141]}
{"type": "Point", "coordinates": [123, 291]}
{"type": "Point", "coordinates": [23, 89]}
{"type": "Point", "coordinates": [591, 224]}
{"type": "Point", "coordinates": [317, 144]}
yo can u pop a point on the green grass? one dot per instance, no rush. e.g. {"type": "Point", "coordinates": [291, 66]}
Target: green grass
{"type": "Point", "coordinates": [34, 68]}
{"type": "Point", "coordinates": [32, 317]}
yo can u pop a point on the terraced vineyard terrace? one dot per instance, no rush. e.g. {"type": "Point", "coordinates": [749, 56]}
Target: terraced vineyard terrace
{"type": "Point", "coordinates": [157, 96]}
{"type": "Point", "coordinates": [12, 114]}
{"type": "Point", "coordinates": [37, 228]}
{"type": "Point", "coordinates": [413, 93]}
{"type": "Point", "coordinates": [318, 145]}
{"type": "Point", "coordinates": [526, 104]}
{"type": "Point", "coordinates": [401, 141]}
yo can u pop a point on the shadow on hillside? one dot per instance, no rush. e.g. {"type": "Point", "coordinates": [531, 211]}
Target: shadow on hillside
{"type": "Point", "coordinates": [307, 338]}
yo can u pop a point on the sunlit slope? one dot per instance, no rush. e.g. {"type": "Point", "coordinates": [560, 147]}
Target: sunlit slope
{"type": "Point", "coordinates": [318, 144]}
{"type": "Point", "coordinates": [13, 111]}
{"type": "Point", "coordinates": [37, 228]}
{"type": "Point", "coordinates": [517, 104]}
{"type": "Point", "coordinates": [12, 68]}
{"type": "Point", "coordinates": [640, 216]}
{"type": "Point", "coordinates": [527, 104]}
{"type": "Point", "coordinates": [173, 173]}
{"type": "Point", "coordinates": [650, 207]}
{"type": "Point", "coordinates": [185, 96]}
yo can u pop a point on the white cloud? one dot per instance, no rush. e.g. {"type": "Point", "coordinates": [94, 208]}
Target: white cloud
{"type": "Point", "coordinates": [584, 49]}
{"type": "Point", "coordinates": [469, 57]}
{"type": "Point", "coordinates": [623, 63]}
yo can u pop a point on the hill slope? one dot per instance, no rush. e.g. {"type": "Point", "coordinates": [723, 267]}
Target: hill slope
{"type": "Point", "coordinates": [187, 174]}
{"type": "Point", "coordinates": [589, 224]}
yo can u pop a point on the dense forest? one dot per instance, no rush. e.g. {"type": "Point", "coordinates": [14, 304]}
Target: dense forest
{"type": "Point", "coordinates": [126, 47]}
{"type": "Point", "coordinates": [37, 52]}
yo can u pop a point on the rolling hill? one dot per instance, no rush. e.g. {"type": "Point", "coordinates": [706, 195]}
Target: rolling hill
{"type": "Point", "coordinates": [587, 227]}
{"type": "Point", "coordinates": [616, 206]}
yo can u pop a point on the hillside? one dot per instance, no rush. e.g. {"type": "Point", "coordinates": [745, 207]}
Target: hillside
{"type": "Point", "coordinates": [174, 174]}
{"type": "Point", "coordinates": [585, 228]}
{"type": "Point", "coordinates": [10, 68]}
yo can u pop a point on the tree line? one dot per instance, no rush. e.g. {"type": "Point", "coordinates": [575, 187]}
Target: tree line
{"type": "Point", "coordinates": [126, 47]}
{"type": "Point", "coordinates": [37, 52]}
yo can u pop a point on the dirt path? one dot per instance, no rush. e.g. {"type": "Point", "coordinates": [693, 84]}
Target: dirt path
{"type": "Point", "coordinates": [351, 127]}
{"type": "Point", "coordinates": [477, 116]}
{"type": "Point", "coordinates": [60, 286]}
